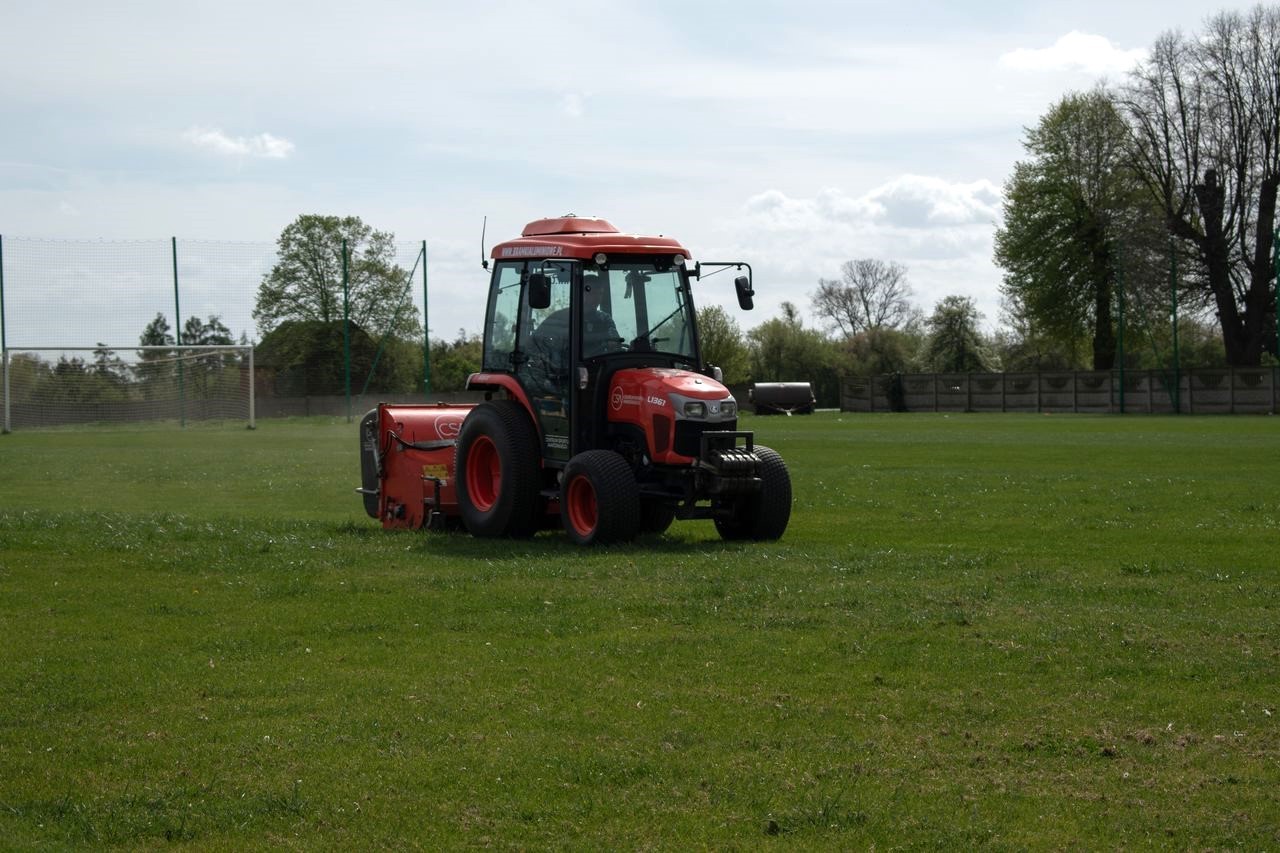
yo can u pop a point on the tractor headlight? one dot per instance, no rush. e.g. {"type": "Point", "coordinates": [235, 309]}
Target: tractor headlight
{"type": "Point", "coordinates": [728, 409]}
{"type": "Point", "coordinates": [695, 409]}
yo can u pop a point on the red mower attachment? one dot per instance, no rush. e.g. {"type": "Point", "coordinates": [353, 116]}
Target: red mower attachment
{"type": "Point", "coordinates": [407, 462]}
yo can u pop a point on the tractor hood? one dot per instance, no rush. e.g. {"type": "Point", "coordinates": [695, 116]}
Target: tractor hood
{"type": "Point", "coordinates": [672, 408]}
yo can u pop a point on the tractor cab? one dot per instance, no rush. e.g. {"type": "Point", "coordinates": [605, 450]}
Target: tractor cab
{"type": "Point", "coordinates": [573, 303]}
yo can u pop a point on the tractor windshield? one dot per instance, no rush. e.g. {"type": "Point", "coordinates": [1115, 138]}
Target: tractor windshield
{"type": "Point", "coordinates": [650, 308]}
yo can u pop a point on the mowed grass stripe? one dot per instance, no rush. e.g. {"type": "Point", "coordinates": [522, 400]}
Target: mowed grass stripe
{"type": "Point", "coordinates": [1038, 631]}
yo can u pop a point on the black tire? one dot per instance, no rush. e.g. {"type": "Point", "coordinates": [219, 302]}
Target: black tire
{"type": "Point", "coordinates": [497, 471]}
{"type": "Point", "coordinates": [656, 516]}
{"type": "Point", "coordinates": [599, 499]}
{"type": "Point", "coordinates": [762, 516]}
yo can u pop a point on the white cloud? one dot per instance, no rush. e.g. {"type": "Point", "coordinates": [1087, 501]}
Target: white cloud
{"type": "Point", "coordinates": [941, 230]}
{"type": "Point", "coordinates": [909, 202]}
{"type": "Point", "coordinates": [1076, 51]}
{"type": "Point", "coordinates": [573, 105]}
{"type": "Point", "coordinates": [921, 201]}
{"type": "Point", "coordinates": [264, 145]}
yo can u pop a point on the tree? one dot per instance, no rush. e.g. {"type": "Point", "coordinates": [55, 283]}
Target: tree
{"type": "Point", "coordinates": [28, 373]}
{"type": "Point", "coordinates": [155, 366]}
{"type": "Point", "coordinates": [1023, 345]}
{"type": "Point", "coordinates": [722, 343]}
{"type": "Point", "coordinates": [870, 294]}
{"type": "Point", "coordinates": [1068, 210]}
{"type": "Point", "coordinates": [452, 362]}
{"type": "Point", "coordinates": [205, 369]}
{"type": "Point", "coordinates": [953, 343]}
{"type": "Point", "coordinates": [306, 282]}
{"type": "Point", "coordinates": [305, 357]}
{"type": "Point", "coordinates": [75, 381]}
{"type": "Point", "coordinates": [1205, 118]}
{"type": "Point", "coordinates": [210, 332]}
{"type": "Point", "coordinates": [110, 367]}
{"type": "Point", "coordinates": [876, 352]}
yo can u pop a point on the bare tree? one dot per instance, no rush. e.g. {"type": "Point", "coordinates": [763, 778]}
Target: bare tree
{"type": "Point", "coordinates": [870, 294]}
{"type": "Point", "coordinates": [1205, 117]}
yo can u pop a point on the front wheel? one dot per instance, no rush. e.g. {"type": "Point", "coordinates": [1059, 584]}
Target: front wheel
{"type": "Point", "coordinates": [656, 516]}
{"type": "Point", "coordinates": [599, 499]}
{"type": "Point", "coordinates": [764, 515]}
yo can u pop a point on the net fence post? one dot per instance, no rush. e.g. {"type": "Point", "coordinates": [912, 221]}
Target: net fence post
{"type": "Point", "coordinates": [426, 329]}
{"type": "Point", "coordinates": [1275, 252]}
{"type": "Point", "coordinates": [346, 328]}
{"type": "Point", "coordinates": [1176, 397]}
{"type": "Point", "coordinates": [253, 423]}
{"type": "Point", "coordinates": [177, 337]}
{"type": "Point", "coordinates": [4, 344]}
{"type": "Point", "coordinates": [1120, 284]}
{"type": "Point", "coordinates": [7, 423]}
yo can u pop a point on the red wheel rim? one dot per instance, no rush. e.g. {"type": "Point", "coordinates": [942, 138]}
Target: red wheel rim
{"type": "Point", "coordinates": [580, 501]}
{"type": "Point", "coordinates": [484, 473]}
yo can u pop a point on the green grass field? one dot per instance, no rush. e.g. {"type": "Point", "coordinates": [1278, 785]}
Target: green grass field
{"type": "Point", "coordinates": [1009, 631]}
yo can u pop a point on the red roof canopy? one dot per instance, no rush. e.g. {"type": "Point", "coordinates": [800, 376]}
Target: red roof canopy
{"type": "Point", "coordinates": [581, 237]}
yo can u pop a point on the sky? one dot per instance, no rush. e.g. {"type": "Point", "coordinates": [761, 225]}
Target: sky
{"type": "Point", "coordinates": [792, 135]}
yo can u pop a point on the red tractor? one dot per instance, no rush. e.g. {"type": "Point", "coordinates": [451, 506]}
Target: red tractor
{"type": "Point", "coordinates": [600, 413]}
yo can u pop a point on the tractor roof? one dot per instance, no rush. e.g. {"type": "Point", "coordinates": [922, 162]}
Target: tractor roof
{"type": "Point", "coordinates": [580, 237]}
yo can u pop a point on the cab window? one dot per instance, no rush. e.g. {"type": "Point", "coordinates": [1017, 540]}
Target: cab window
{"type": "Point", "coordinates": [503, 315]}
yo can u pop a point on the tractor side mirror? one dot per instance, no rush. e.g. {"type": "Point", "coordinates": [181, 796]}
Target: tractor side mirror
{"type": "Point", "coordinates": [539, 290]}
{"type": "Point", "coordinates": [743, 285]}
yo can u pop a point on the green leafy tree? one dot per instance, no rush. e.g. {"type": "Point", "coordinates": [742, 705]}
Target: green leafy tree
{"type": "Point", "coordinates": [453, 361]}
{"type": "Point", "coordinates": [28, 373]}
{"type": "Point", "coordinates": [723, 344]}
{"type": "Point", "coordinates": [156, 367]}
{"type": "Point", "coordinates": [109, 367]}
{"type": "Point", "coordinates": [876, 352]}
{"type": "Point", "coordinates": [210, 332]}
{"type": "Point", "coordinates": [1022, 345]}
{"type": "Point", "coordinates": [306, 282]}
{"type": "Point", "coordinates": [954, 344]}
{"type": "Point", "coordinates": [300, 358]}
{"type": "Point", "coordinates": [1069, 210]}
{"type": "Point", "coordinates": [73, 380]}
{"type": "Point", "coordinates": [208, 370]}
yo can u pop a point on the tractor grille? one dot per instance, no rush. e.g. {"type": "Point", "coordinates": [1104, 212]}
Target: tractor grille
{"type": "Point", "coordinates": [689, 434]}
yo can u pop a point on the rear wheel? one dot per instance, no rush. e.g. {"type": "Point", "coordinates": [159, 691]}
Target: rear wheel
{"type": "Point", "coordinates": [763, 515]}
{"type": "Point", "coordinates": [497, 470]}
{"type": "Point", "coordinates": [599, 500]}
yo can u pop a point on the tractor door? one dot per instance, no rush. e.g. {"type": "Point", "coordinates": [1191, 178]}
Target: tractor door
{"type": "Point", "coordinates": [545, 367]}
{"type": "Point", "coordinates": [533, 344]}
